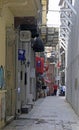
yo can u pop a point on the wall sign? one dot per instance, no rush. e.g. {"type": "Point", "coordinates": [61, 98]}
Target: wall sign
{"type": "Point", "coordinates": [25, 36]}
{"type": "Point", "coordinates": [21, 54]}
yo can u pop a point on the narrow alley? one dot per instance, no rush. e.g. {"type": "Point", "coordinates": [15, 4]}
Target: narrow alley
{"type": "Point", "coordinates": [39, 56]}
{"type": "Point", "coordinates": [50, 113]}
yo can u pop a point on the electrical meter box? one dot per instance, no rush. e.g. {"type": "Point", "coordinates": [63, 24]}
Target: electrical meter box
{"type": "Point", "coordinates": [25, 36]}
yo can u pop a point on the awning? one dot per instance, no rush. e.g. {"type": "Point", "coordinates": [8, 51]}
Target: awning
{"type": "Point", "coordinates": [47, 81]}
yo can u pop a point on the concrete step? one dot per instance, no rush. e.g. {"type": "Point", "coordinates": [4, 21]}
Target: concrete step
{"type": "Point", "coordinates": [26, 108]}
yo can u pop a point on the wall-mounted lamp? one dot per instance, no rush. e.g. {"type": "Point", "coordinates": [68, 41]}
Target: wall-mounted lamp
{"type": "Point", "coordinates": [28, 63]}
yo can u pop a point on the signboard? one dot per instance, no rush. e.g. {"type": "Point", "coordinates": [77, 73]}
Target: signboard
{"type": "Point", "coordinates": [39, 65]}
{"type": "Point", "coordinates": [25, 36]}
{"type": "Point", "coordinates": [21, 54]}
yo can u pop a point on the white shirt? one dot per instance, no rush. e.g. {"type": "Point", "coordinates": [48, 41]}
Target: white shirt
{"type": "Point", "coordinates": [64, 88]}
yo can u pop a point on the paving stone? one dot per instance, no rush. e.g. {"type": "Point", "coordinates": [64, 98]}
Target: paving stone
{"type": "Point", "coordinates": [50, 113]}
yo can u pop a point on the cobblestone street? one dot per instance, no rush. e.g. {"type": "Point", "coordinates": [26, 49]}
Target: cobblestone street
{"type": "Point", "coordinates": [50, 113]}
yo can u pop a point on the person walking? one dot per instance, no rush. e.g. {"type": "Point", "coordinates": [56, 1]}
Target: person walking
{"type": "Point", "coordinates": [55, 87]}
{"type": "Point", "coordinates": [64, 90]}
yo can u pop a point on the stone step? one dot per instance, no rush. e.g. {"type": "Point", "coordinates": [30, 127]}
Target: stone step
{"type": "Point", "coordinates": [26, 108]}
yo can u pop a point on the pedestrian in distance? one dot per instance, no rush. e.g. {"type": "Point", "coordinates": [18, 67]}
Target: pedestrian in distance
{"type": "Point", "coordinates": [64, 90]}
{"type": "Point", "coordinates": [55, 87]}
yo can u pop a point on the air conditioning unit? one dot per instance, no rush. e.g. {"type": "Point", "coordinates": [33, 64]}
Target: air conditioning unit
{"type": "Point", "coordinates": [25, 36]}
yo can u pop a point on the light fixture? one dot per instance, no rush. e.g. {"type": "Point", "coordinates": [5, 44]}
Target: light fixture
{"type": "Point", "coordinates": [28, 63]}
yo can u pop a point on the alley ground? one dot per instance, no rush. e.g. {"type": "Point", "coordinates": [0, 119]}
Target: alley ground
{"type": "Point", "coordinates": [50, 113]}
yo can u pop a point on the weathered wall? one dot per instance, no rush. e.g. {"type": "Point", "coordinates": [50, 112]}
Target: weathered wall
{"type": "Point", "coordinates": [72, 82]}
{"type": "Point", "coordinates": [6, 19]}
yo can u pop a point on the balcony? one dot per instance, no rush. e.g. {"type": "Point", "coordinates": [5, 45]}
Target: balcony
{"type": "Point", "coordinates": [21, 8]}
